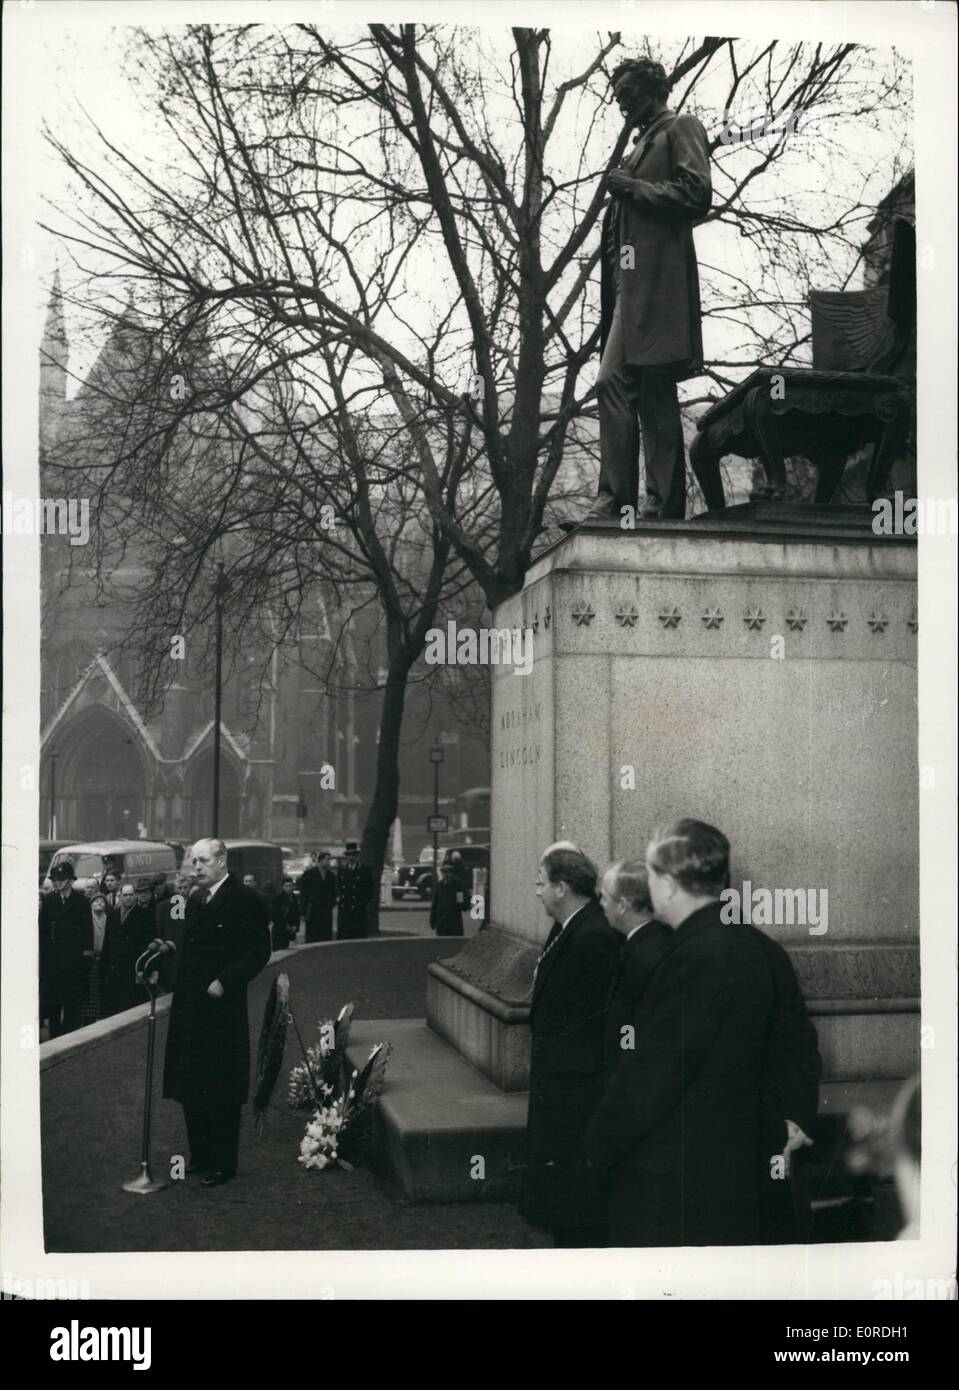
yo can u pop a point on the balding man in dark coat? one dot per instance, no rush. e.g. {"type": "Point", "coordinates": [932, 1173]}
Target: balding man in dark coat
{"type": "Point", "coordinates": [226, 943]}
{"type": "Point", "coordinates": [624, 898]}
{"type": "Point", "coordinates": [129, 931]}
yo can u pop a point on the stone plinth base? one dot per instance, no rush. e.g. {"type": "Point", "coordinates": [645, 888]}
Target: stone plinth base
{"type": "Point", "coordinates": [757, 670]}
{"type": "Point", "coordinates": [863, 997]}
{"type": "Point", "coordinates": [479, 1002]}
{"type": "Point", "coordinates": [447, 1134]}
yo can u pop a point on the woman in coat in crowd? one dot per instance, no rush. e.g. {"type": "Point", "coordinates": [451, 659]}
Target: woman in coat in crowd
{"type": "Point", "coordinates": [285, 916]}
{"type": "Point", "coordinates": [92, 1007]}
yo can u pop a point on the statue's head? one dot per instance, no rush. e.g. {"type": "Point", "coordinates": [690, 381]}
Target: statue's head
{"type": "Point", "coordinates": [640, 86]}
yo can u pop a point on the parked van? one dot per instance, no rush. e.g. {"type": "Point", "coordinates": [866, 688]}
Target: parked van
{"type": "Point", "coordinates": [48, 849]}
{"type": "Point", "coordinates": [257, 857]}
{"type": "Point", "coordinates": [127, 858]}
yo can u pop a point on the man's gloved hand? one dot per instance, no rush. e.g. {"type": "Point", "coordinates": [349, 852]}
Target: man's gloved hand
{"type": "Point", "coordinates": [796, 1139]}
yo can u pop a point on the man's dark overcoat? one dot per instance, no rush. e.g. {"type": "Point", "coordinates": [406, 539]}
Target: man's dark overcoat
{"type": "Point", "coordinates": [640, 956]}
{"type": "Point", "coordinates": [123, 943]}
{"type": "Point", "coordinates": [682, 1126]}
{"type": "Point", "coordinates": [66, 944]}
{"type": "Point", "coordinates": [567, 1018]}
{"type": "Point", "coordinates": [791, 1092]}
{"type": "Point", "coordinates": [448, 905]}
{"type": "Point", "coordinates": [354, 893]}
{"type": "Point", "coordinates": [208, 1042]}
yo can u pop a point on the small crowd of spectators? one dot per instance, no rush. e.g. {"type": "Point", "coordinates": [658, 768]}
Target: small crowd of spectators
{"type": "Point", "coordinates": [91, 939]}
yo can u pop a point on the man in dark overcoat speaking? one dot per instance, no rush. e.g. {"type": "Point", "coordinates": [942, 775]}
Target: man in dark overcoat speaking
{"type": "Point", "coordinates": [651, 333]}
{"type": "Point", "coordinates": [567, 1015]}
{"type": "Point", "coordinates": [226, 942]}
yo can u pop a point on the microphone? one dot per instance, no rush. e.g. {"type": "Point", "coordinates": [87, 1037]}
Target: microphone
{"type": "Point", "coordinates": [153, 952]}
{"type": "Point", "coordinates": [143, 955]}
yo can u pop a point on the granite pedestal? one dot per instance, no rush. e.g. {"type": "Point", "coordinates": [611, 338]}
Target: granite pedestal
{"type": "Point", "coordinates": [756, 669]}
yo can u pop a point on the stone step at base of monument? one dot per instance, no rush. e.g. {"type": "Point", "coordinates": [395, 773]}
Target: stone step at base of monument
{"type": "Point", "coordinates": [447, 1134]}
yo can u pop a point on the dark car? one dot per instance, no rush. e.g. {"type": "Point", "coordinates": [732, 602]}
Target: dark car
{"type": "Point", "coordinates": [257, 857]}
{"type": "Point", "coordinates": [409, 879]}
{"type": "Point", "coordinates": [294, 866]}
{"type": "Point", "coordinates": [416, 880]}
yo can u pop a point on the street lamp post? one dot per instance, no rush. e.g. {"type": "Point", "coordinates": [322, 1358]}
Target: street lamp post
{"type": "Point", "coordinates": [53, 793]}
{"type": "Point", "coordinates": [217, 698]}
{"type": "Point", "coordinates": [436, 758]}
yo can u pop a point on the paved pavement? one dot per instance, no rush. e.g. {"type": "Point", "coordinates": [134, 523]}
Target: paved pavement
{"type": "Point", "coordinates": [411, 918]}
{"type": "Point", "coordinates": [91, 1116]}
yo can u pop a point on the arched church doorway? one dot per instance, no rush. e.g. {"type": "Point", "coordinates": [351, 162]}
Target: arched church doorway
{"type": "Point", "coordinates": [94, 771]}
{"type": "Point", "coordinates": [199, 793]}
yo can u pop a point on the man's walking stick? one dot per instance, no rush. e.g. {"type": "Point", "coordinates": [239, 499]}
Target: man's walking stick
{"type": "Point", "coordinates": [145, 1182]}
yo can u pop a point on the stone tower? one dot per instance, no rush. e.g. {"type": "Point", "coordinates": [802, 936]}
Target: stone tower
{"type": "Point", "coordinates": [54, 354]}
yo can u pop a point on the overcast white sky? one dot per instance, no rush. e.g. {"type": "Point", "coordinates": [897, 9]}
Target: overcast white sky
{"type": "Point", "coordinates": [72, 62]}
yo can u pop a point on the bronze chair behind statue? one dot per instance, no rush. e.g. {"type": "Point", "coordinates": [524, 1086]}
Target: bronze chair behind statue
{"type": "Point", "coordinates": [848, 398]}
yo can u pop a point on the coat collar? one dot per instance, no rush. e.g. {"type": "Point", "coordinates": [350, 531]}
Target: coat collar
{"type": "Point", "coordinates": [642, 144]}
{"type": "Point", "coordinates": [636, 932]}
{"type": "Point", "coordinates": [703, 917]}
{"type": "Point", "coordinates": [225, 890]}
{"type": "Point", "coordinates": [573, 924]}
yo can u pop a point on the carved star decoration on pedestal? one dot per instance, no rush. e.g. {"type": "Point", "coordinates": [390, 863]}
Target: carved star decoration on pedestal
{"type": "Point", "coordinates": [712, 617]}
{"type": "Point", "coordinates": [669, 617]}
{"type": "Point", "coordinates": [754, 619]}
{"type": "Point", "coordinates": [913, 622]}
{"type": "Point", "coordinates": [797, 619]}
{"type": "Point", "coordinates": [837, 621]}
{"type": "Point", "coordinates": [627, 614]}
{"type": "Point", "coordinates": [535, 623]}
{"type": "Point", "coordinates": [547, 617]}
{"type": "Point", "coordinates": [583, 614]}
{"type": "Point", "coordinates": [878, 621]}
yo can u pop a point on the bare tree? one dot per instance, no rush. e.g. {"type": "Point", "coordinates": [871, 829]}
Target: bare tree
{"type": "Point", "coordinates": [393, 232]}
{"type": "Point", "coordinates": [311, 506]}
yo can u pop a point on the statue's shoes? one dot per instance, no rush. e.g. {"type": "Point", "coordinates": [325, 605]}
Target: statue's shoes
{"type": "Point", "coordinates": [603, 515]}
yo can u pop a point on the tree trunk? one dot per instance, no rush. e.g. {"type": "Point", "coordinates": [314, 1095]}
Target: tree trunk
{"type": "Point", "coordinates": [383, 807]}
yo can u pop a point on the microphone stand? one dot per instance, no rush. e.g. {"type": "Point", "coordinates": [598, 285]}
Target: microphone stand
{"type": "Point", "coordinates": [145, 1182]}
